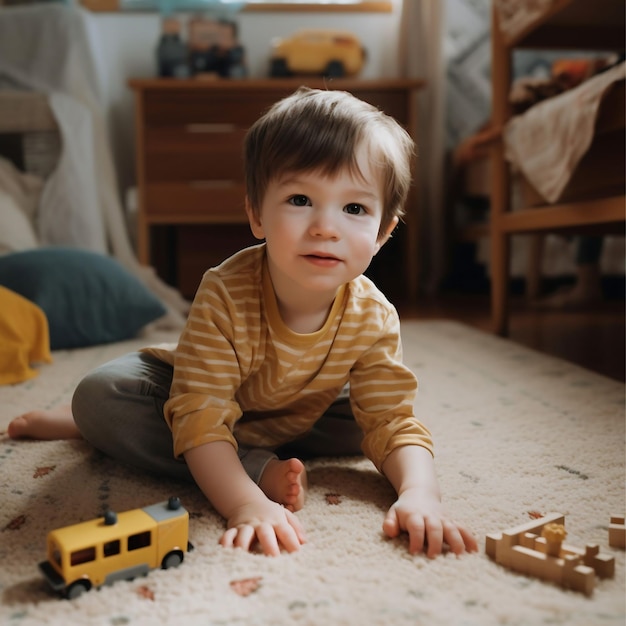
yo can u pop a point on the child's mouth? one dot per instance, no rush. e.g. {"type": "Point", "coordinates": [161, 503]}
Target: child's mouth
{"type": "Point", "coordinates": [322, 260]}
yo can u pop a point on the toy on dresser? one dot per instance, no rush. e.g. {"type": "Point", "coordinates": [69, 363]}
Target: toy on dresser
{"type": "Point", "coordinates": [214, 49]}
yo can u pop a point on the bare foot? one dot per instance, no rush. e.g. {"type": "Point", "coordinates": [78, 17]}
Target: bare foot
{"type": "Point", "coordinates": [51, 424]}
{"type": "Point", "coordinates": [570, 300]}
{"type": "Point", "coordinates": [285, 482]}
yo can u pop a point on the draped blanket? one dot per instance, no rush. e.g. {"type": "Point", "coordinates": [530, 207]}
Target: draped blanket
{"type": "Point", "coordinates": [47, 48]}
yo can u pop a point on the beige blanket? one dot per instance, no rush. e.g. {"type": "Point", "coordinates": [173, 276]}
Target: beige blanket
{"type": "Point", "coordinates": [548, 141]}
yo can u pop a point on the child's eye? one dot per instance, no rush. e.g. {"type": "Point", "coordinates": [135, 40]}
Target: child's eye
{"type": "Point", "coordinates": [354, 209]}
{"type": "Point", "coordinates": [299, 200]}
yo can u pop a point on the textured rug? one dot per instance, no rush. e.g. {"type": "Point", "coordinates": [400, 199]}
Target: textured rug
{"type": "Point", "coordinates": [517, 434]}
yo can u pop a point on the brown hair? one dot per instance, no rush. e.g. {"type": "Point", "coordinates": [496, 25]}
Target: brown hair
{"type": "Point", "coordinates": [321, 130]}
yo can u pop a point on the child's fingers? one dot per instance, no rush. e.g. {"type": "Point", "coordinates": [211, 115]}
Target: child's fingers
{"type": "Point", "coordinates": [294, 523]}
{"type": "Point", "coordinates": [428, 532]}
{"type": "Point", "coordinates": [286, 531]}
{"type": "Point", "coordinates": [245, 537]}
{"type": "Point", "coordinates": [228, 538]}
{"type": "Point", "coordinates": [471, 545]}
{"type": "Point", "coordinates": [391, 525]}
{"type": "Point", "coordinates": [266, 535]}
{"type": "Point", "coordinates": [453, 537]}
{"type": "Point", "coordinates": [417, 530]}
{"type": "Point", "coordinates": [238, 537]}
{"type": "Point", "coordinates": [434, 537]}
{"type": "Point", "coordinates": [288, 537]}
{"type": "Point", "coordinates": [458, 537]}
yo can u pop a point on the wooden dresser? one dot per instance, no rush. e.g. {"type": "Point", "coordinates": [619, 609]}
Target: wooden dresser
{"type": "Point", "coordinates": [189, 136]}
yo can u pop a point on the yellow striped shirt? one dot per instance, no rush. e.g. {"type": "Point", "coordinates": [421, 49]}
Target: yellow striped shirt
{"type": "Point", "coordinates": [241, 375]}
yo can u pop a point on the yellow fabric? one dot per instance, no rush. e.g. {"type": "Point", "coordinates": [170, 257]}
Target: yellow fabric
{"type": "Point", "coordinates": [241, 375]}
{"type": "Point", "coordinates": [24, 338]}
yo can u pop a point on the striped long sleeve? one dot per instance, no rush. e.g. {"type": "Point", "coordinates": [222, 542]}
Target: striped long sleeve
{"type": "Point", "coordinates": [241, 375]}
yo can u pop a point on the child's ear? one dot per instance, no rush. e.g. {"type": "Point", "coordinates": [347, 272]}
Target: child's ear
{"type": "Point", "coordinates": [382, 240]}
{"type": "Point", "coordinates": [254, 220]}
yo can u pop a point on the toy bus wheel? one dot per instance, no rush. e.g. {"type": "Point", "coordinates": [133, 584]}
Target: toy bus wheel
{"type": "Point", "coordinates": [77, 589]}
{"type": "Point", "coordinates": [279, 68]}
{"type": "Point", "coordinates": [335, 69]}
{"type": "Point", "coordinates": [172, 559]}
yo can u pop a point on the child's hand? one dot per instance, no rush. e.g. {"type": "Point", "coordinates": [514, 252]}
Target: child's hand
{"type": "Point", "coordinates": [418, 509]}
{"type": "Point", "coordinates": [266, 521]}
{"type": "Point", "coordinates": [250, 513]}
{"type": "Point", "coordinates": [423, 517]}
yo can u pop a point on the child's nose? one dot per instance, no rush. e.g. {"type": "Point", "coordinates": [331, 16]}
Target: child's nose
{"type": "Point", "coordinates": [324, 225]}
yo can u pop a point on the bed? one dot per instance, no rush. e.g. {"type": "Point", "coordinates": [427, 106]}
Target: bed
{"type": "Point", "coordinates": [569, 149]}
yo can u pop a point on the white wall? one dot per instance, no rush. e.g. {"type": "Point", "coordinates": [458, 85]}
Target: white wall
{"type": "Point", "coordinates": [125, 48]}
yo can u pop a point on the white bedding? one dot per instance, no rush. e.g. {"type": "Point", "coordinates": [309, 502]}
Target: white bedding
{"type": "Point", "coordinates": [46, 48]}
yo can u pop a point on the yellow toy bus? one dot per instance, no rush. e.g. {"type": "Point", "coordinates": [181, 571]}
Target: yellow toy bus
{"type": "Point", "coordinates": [320, 52]}
{"type": "Point", "coordinates": [116, 547]}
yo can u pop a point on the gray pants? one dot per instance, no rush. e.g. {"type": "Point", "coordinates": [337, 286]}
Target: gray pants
{"type": "Point", "coordinates": [118, 408]}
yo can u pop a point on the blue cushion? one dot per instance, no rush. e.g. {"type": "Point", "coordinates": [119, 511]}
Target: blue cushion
{"type": "Point", "coordinates": [88, 298]}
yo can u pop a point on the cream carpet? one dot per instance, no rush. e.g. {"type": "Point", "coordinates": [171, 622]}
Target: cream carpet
{"type": "Point", "coordinates": [517, 433]}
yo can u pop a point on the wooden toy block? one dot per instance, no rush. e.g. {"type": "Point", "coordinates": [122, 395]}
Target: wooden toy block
{"type": "Point", "coordinates": [498, 545]}
{"type": "Point", "coordinates": [523, 550]}
{"type": "Point", "coordinates": [617, 532]}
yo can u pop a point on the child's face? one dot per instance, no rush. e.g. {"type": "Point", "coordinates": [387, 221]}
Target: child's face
{"type": "Point", "coordinates": [321, 231]}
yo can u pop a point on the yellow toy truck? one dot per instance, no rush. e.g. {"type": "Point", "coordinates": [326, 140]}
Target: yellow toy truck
{"type": "Point", "coordinates": [116, 547]}
{"type": "Point", "coordinates": [318, 52]}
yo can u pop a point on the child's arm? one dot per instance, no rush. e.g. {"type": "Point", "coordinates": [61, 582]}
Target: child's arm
{"type": "Point", "coordinates": [418, 509]}
{"type": "Point", "coordinates": [250, 514]}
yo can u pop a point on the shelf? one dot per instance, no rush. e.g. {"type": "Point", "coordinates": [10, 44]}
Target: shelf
{"type": "Point", "coordinates": [575, 24]}
{"type": "Point", "coordinates": [270, 84]}
{"type": "Point", "coordinates": [564, 216]}
{"type": "Point", "coordinates": [593, 202]}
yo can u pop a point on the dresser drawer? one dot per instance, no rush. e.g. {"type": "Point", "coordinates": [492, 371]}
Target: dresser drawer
{"type": "Point", "coordinates": [193, 106]}
{"type": "Point", "coordinates": [194, 152]}
{"type": "Point", "coordinates": [199, 202]}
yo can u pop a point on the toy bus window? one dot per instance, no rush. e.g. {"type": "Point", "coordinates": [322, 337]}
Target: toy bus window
{"type": "Point", "coordinates": [140, 540]}
{"type": "Point", "coordinates": [56, 557]}
{"type": "Point", "coordinates": [83, 556]}
{"type": "Point", "coordinates": [111, 548]}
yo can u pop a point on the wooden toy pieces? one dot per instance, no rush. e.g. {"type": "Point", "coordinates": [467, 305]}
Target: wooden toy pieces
{"type": "Point", "coordinates": [537, 549]}
{"type": "Point", "coordinates": [617, 532]}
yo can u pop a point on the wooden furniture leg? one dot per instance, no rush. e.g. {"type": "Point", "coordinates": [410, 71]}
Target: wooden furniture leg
{"type": "Point", "coordinates": [500, 184]}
